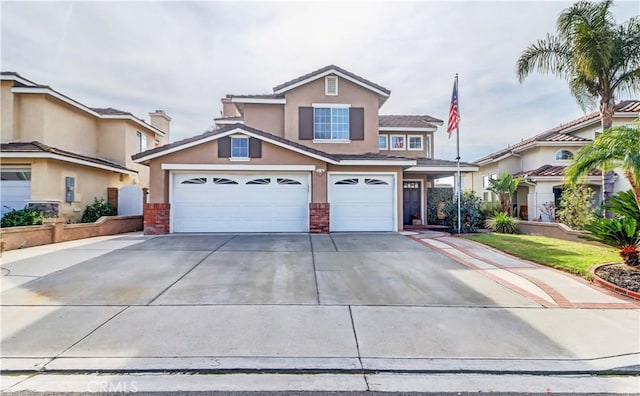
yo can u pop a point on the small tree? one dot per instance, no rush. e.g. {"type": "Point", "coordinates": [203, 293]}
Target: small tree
{"type": "Point", "coordinates": [504, 188]}
{"type": "Point", "coordinates": [576, 206]}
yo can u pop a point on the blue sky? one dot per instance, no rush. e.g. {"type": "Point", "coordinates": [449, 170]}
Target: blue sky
{"type": "Point", "coordinates": [182, 57]}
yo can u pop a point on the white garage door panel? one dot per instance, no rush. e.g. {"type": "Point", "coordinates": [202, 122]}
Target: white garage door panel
{"type": "Point", "coordinates": [359, 205]}
{"type": "Point", "coordinates": [241, 207]}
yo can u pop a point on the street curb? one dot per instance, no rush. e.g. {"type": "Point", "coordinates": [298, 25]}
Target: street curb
{"type": "Point", "coordinates": [611, 286]}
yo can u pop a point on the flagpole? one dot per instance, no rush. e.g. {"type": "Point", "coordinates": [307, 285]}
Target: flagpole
{"type": "Point", "coordinates": [458, 180]}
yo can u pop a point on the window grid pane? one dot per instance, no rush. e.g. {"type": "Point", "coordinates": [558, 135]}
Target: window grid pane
{"type": "Point", "coordinates": [415, 142]}
{"type": "Point", "coordinates": [239, 147]}
{"type": "Point", "coordinates": [331, 123]}
{"type": "Point", "coordinates": [382, 142]}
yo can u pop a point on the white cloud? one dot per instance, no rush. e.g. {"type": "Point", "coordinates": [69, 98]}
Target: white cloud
{"type": "Point", "coordinates": [184, 56]}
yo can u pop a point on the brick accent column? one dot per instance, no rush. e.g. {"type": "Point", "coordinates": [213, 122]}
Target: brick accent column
{"type": "Point", "coordinates": [112, 197]}
{"type": "Point", "coordinates": [156, 218]}
{"type": "Point", "coordinates": [319, 218]}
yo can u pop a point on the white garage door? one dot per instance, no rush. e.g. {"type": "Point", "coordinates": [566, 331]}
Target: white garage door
{"type": "Point", "coordinates": [240, 202]}
{"type": "Point", "coordinates": [361, 202]}
{"type": "Point", "coordinates": [15, 188]}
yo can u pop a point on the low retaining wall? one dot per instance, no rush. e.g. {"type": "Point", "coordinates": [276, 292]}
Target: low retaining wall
{"type": "Point", "coordinates": [552, 230]}
{"type": "Point", "coordinates": [55, 230]}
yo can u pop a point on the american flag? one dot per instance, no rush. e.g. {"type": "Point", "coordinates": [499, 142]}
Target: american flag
{"type": "Point", "coordinates": [454, 111]}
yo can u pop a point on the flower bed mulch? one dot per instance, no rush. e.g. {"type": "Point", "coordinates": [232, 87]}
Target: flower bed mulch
{"type": "Point", "coordinates": [621, 275]}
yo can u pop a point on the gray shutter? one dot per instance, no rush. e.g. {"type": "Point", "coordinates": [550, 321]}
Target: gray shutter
{"type": "Point", "coordinates": [356, 123]}
{"type": "Point", "coordinates": [224, 147]}
{"type": "Point", "coordinates": [255, 148]}
{"type": "Point", "coordinates": [305, 123]}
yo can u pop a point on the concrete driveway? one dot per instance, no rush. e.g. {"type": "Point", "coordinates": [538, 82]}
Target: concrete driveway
{"type": "Point", "coordinates": [316, 302]}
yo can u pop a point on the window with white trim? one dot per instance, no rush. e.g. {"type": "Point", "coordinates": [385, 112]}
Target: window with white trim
{"type": "Point", "coordinates": [397, 142]}
{"type": "Point", "coordinates": [239, 147]}
{"type": "Point", "coordinates": [564, 155]}
{"type": "Point", "coordinates": [415, 142]}
{"type": "Point", "coordinates": [331, 85]}
{"type": "Point", "coordinates": [141, 141]}
{"type": "Point", "coordinates": [331, 123]}
{"type": "Point", "coordinates": [383, 142]}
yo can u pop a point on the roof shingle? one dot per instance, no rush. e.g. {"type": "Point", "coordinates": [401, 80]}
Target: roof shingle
{"type": "Point", "coordinates": [408, 121]}
{"type": "Point", "coordinates": [552, 170]}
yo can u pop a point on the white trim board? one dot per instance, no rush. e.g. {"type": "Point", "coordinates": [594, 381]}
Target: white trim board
{"type": "Point", "coordinates": [258, 101]}
{"type": "Point", "coordinates": [441, 169]}
{"type": "Point", "coordinates": [58, 157]}
{"type": "Point", "coordinates": [378, 162]}
{"type": "Point", "coordinates": [324, 74]}
{"type": "Point", "coordinates": [224, 167]}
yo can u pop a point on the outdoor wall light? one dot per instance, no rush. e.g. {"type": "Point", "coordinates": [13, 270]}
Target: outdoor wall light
{"type": "Point", "coordinates": [320, 171]}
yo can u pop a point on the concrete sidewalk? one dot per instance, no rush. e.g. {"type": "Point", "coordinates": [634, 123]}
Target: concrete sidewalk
{"type": "Point", "coordinates": [345, 303]}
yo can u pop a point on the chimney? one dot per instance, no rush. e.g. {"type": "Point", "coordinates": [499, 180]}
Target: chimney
{"type": "Point", "coordinates": [161, 121]}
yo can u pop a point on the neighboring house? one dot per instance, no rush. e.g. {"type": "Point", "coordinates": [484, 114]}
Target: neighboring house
{"type": "Point", "coordinates": [57, 154]}
{"type": "Point", "coordinates": [541, 161]}
{"type": "Point", "coordinates": [313, 156]}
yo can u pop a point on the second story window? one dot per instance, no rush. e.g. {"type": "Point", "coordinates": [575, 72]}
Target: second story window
{"type": "Point", "coordinates": [564, 155]}
{"type": "Point", "coordinates": [383, 142]}
{"type": "Point", "coordinates": [397, 142]}
{"type": "Point", "coordinates": [141, 141]}
{"type": "Point", "coordinates": [415, 142]}
{"type": "Point", "coordinates": [239, 147]}
{"type": "Point", "coordinates": [331, 123]}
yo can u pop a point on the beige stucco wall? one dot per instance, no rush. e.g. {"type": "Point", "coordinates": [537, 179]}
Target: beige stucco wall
{"type": "Point", "coordinates": [348, 93]}
{"type": "Point", "coordinates": [6, 110]}
{"type": "Point", "coordinates": [266, 117]}
{"type": "Point", "coordinates": [48, 183]}
{"type": "Point", "coordinates": [67, 128]}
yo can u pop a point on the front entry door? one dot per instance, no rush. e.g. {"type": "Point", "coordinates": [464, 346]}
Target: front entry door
{"type": "Point", "coordinates": [411, 202]}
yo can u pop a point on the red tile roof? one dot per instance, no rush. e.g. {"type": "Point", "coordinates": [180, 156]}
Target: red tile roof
{"type": "Point", "coordinates": [558, 134]}
{"type": "Point", "coordinates": [552, 170]}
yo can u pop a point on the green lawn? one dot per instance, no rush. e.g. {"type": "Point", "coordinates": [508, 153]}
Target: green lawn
{"type": "Point", "coordinates": [572, 257]}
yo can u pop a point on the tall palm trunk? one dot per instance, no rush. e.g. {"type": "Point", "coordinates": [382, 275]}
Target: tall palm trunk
{"type": "Point", "coordinates": [607, 110]}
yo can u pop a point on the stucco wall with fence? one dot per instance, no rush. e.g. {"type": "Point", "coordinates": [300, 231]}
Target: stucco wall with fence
{"type": "Point", "coordinates": [55, 230]}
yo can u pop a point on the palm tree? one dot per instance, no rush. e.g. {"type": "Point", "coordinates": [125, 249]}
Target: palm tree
{"type": "Point", "coordinates": [617, 148]}
{"type": "Point", "coordinates": [598, 57]}
{"type": "Point", "coordinates": [504, 187]}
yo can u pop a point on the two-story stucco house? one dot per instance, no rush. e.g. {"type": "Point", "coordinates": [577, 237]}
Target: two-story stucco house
{"type": "Point", "coordinates": [541, 161]}
{"type": "Point", "coordinates": [313, 156]}
{"type": "Point", "coordinates": [58, 154]}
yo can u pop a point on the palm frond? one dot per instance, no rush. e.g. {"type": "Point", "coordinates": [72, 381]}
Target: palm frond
{"type": "Point", "coordinates": [548, 55]}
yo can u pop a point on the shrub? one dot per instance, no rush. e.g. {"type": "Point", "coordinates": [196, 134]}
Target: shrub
{"type": "Point", "coordinates": [502, 223]}
{"type": "Point", "coordinates": [22, 217]}
{"type": "Point", "coordinates": [576, 207]}
{"type": "Point", "coordinates": [469, 210]}
{"type": "Point", "coordinates": [97, 209]}
{"type": "Point", "coordinates": [620, 232]}
{"type": "Point", "coordinates": [488, 209]}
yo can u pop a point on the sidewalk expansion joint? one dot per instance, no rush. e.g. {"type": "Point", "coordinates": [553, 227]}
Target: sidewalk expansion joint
{"type": "Point", "coordinates": [355, 337]}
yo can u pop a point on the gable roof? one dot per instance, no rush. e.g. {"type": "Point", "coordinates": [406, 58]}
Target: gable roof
{"type": "Point", "coordinates": [227, 130]}
{"type": "Point", "coordinates": [560, 133]}
{"type": "Point", "coordinates": [328, 70]}
{"type": "Point", "coordinates": [24, 86]}
{"type": "Point", "coordinates": [344, 159]}
{"type": "Point", "coordinates": [37, 149]}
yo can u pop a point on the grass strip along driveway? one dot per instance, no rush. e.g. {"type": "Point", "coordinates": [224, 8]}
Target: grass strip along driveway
{"type": "Point", "coordinates": [573, 257]}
